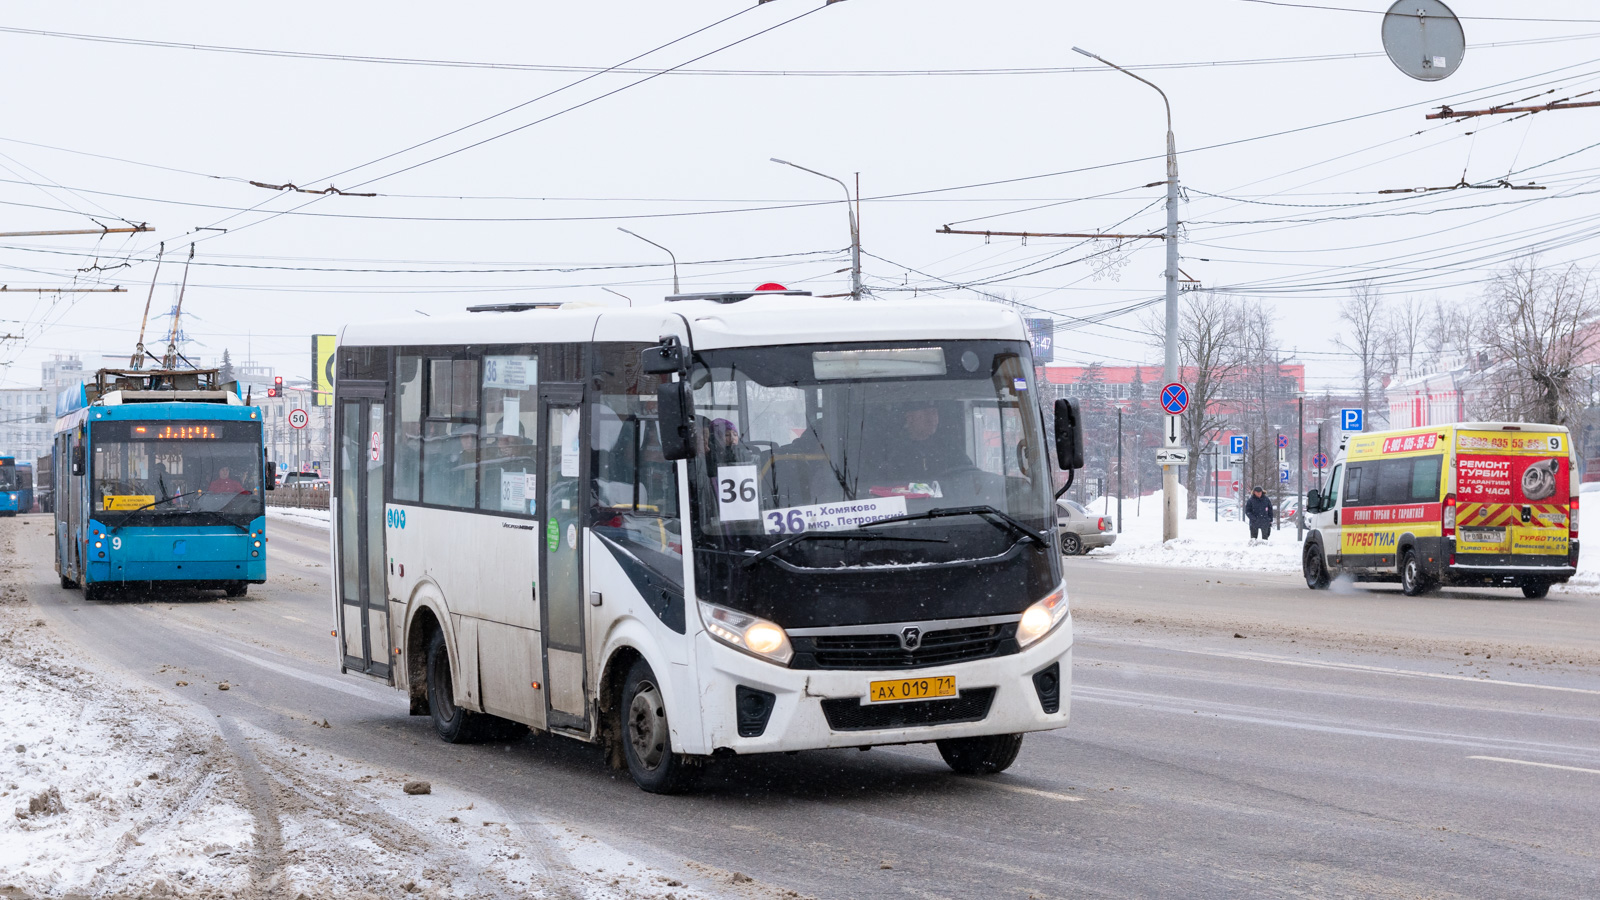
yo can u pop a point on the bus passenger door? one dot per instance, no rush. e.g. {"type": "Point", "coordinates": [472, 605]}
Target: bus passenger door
{"type": "Point", "coordinates": [561, 504]}
{"type": "Point", "coordinates": [358, 481]}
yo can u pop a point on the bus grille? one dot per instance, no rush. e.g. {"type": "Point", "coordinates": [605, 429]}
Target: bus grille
{"type": "Point", "coordinates": [883, 651]}
{"type": "Point", "coordinates": [849, 714]}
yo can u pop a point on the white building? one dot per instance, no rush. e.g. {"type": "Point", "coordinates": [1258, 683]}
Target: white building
{"type": "Point", "coordinates": [27, 415]}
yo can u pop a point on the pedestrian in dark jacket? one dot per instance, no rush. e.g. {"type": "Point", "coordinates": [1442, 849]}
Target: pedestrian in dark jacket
{"type": "Point", "coordinates": [1258, 509]}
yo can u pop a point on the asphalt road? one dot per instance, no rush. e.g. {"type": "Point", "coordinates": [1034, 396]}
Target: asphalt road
{"type": "Point", "coordinates": [1349, 744]}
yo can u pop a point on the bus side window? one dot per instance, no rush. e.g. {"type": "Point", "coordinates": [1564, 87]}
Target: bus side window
{"type": "Point", "coordinates": [450, 434]}
{"type": "Point", "coordinates": [509, 436]}
{"type": "Point", "coordinates": [408, 430]}
{"type": "Point", "coordinates": [635, 489]}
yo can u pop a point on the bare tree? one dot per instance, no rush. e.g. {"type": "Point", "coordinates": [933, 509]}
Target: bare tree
{"type": "Point", "coordinates": [1545, 332]}
{"type": "Point", "coordinates": [1209, 342]}
{"type": "Point", "coordinates": [1407, 328]}
{"type": "Point", "coordinates": [1367, 339]}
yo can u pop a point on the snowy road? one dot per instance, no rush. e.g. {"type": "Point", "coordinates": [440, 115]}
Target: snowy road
{"type": "Point", "coordinates": [1354, 744]}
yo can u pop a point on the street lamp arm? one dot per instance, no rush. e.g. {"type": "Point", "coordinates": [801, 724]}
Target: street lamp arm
{"type": "Point", "coordinates": [1113, 65]}
{"type": "Point", "coordinates": [855, 231]}
{"type": "Point", "coordinates": [673, 256]}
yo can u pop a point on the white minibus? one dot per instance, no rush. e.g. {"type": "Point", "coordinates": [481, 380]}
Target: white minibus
{"type": "Point", "coordinates": [727, 524]}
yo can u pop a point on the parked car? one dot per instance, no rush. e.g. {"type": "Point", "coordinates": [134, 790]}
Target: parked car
{"type": "Point", "coordinates": [1223, 508]}
{"type": "Point", "coordinates": [1081, 530]}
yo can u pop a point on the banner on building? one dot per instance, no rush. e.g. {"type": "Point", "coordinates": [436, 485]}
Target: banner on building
{"type": "Point", "coordinates": [1042, 332]}
{"type": "Point", "coordinates": [322, 368]}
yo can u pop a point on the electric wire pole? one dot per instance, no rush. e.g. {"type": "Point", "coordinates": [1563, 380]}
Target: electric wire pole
{"type": "Point", "coordinates": [1172, 372]}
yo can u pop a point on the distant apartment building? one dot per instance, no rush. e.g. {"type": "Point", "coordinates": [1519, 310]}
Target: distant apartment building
{"type": "Point", "coordinates": [27, 414]}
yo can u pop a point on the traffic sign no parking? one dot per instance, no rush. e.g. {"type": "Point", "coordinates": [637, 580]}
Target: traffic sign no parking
{"type": "Point", "coordinates": [1320, 460]}
{"type": "Point", "coordinates": [298, 418]}
{"type": "Point", "coordinates": [1174, 399]}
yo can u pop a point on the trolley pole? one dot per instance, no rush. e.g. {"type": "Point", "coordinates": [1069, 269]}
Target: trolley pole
{"type": "Point", "coordinates": [1169, 473]}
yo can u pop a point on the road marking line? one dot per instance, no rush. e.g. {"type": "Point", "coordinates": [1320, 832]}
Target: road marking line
{"type": "Point", "coordinates": [1019, 789]}
{"type": "Point", "coordinates": [1524, 762]}
{"type": "Point", "coordinates": [294, 619]}
{"type": "Point", "coordinates": [1381, 670]}
{"type": "Point", "coordinates": [1412, 673]}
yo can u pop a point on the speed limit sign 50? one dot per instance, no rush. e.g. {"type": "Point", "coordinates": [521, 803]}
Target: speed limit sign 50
{"type": "Point", "coordinates": [298, 418]}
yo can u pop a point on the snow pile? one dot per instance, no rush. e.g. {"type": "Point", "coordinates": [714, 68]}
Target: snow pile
{"type": "Point", "coordinates": [159, 814]}
{"type": "Point", "coordinates": [1202, 543]}
{"type": "Point", "coordinates": [303, 516]}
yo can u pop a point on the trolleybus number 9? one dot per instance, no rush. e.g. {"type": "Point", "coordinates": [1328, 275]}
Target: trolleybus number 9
{"type": "Point", "coordinates": [911, 689]}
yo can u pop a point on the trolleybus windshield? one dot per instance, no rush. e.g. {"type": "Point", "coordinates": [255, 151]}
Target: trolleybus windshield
{"type": "Point", "coordinates": [8, 475]}
{"type": "Point", "coordinates": [161, 472]}
{"type": "Point", "coordinates": [806, 439]}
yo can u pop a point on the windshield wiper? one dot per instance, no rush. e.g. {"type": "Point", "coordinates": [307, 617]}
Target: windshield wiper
{"type": "Point", "coordinates": [153, 503]}
{"type": "Point", "coordinates": [991, 515]}
{"type": "Point", "coordinates": [793, 539]}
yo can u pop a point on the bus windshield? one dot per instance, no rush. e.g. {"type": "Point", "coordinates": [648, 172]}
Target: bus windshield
{"type": "Point", "coordinates": [164, 470]}
{"type": "Point", "coordinates": [812, 438]}
{"type": "Point", "coordinates": [8, 475]}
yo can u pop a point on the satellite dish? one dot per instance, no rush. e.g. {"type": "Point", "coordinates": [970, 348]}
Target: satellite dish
{"type": "Point", "coordinates": [1424, 39]}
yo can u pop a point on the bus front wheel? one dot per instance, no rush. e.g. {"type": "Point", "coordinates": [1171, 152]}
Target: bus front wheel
{"type": "Point", "coordinates": [454, 724]}
{"type": "Point", "coordinates": [988, 755]}
{"type": "Point", "coordinates": [646, 739]}
{"type": "Point", "coordinates": [237, 589]}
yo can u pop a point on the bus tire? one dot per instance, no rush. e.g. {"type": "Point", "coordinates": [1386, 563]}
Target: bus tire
{"type": "Point", "coordinates": [67, 584]}
{"type": "Point", "coordinates": [646, 737]}
{"type": "Point", "coordinates": [94, 593]}
{"type": "Point", "coordinates": [987, 755]}
{"type": "Point", "coordinates": [454, 724]}
{"type": "Point", "coordinates": [1413, 583]}
{"type": "Point", "coordinates": [1536, 591]}
{"type": "Point", "coordinates": [1316, 569]}
{"type": "Point", "coordinates": [237, 589]}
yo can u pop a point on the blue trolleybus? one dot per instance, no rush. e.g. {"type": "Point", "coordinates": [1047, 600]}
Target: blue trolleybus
{"type": "Point", "coordinates": [14, 495]}
{"type": "Point", "coordinates": [159, 478]}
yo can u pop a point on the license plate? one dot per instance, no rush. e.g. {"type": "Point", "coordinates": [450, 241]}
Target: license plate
{"type": "Point", "coordinates": [900, 690]}
{"type": "Point", "coordinates": [1483, 537]}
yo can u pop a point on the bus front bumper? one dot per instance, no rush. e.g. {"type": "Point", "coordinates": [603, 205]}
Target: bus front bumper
{"type": "Point", "coordinates": [147, 555]}
{"type": "Point", "coordinates": [812, 709]}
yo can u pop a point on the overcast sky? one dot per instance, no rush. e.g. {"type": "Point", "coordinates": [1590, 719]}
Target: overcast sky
{"type": "Point", "coordinates": [1286, 209]}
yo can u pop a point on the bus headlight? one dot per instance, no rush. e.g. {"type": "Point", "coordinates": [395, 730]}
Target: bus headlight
{"type": "Point", "coordinates": [745, 632]}
{"type": "Point", "coordinates": [1041, 618]}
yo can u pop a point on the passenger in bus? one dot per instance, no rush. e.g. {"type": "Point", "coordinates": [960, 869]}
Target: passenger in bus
{"type": "Point", "coordinates": [225, 483]}
{"type": "Point", "coordinates": [726, 445]}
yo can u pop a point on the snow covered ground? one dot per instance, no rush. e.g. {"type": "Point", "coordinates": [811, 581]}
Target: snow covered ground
{"type": "Point", "coordinates": [303, 516]}
{"type": "Point", "coordinates": [112, 787]}
{"type": "Point", "coordinates": [1207, 544]}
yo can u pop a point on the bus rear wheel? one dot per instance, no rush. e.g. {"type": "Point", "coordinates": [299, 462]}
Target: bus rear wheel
{"type": "Point", "coordinates": [646, 738]}
{"type": "Point", "coordinates": [238, 589]}
{"type": "Point", "coordinates": [454, 724]}
{"type": "Point", "coordinates": [988, 755]}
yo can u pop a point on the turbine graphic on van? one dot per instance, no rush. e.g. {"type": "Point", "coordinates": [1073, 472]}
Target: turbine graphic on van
{"type": "Point", "coordinates": [1539, 479]}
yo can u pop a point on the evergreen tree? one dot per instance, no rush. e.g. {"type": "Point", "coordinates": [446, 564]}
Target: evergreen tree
{"type": "Point", "coordinates": [225, 369]}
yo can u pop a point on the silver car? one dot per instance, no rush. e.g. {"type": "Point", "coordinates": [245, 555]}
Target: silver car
{"type": "Point", "coordinates": [1081, 530]}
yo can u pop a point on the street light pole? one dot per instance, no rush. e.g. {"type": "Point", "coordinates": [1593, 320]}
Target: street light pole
{"type": "Point", "coordinates": [673, 256]}
{"type": "Point", "coordinates": [1169, 474]}
{"type": "Point", "coordinates": [855, 230]}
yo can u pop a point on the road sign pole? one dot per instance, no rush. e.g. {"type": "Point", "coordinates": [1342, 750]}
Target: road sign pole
{"type": "Point", "coordinates": [1300, 460]}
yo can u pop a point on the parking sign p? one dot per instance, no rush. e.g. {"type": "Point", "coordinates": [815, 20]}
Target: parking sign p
{"type": "Point", "coordinates": [1236, 444]}
{"type": "Point", "coordinates": [1349, 420]}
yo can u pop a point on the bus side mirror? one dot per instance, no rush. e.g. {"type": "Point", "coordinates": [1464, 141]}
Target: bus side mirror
{"type": "Point", "coordinates": [675, 414]}
{"type": "Point", "coordinates": [272, 476]}
{"type": "Point", "coordinates": [1313, 501]}
{"type": "Point", "coordinates": [77, 460]}
{"type": "Point", "coordinates": [666, 358]}
{"type": "Point", "coordinates": [1069, 435]}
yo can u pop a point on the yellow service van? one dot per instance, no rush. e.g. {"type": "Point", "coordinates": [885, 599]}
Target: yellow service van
{"type": "Point", "coordinates": [1476, 503]}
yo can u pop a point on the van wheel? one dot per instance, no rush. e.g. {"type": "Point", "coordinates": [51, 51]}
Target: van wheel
{"type": "Point", "coordinates": [1316, 571]}
{"type": "Point", "coordinates": [1071, 544]}
{"type": "Point", "coordinates": [989, 755]}
{"type": "Point", "coordinates": [454, 724]}
{"type": "Point", "coordinates": [1412, 582]}
{"type": "Point", "coordinates": [1535, 591]}
{"type": "Point", "coordinates": [646, 738]}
